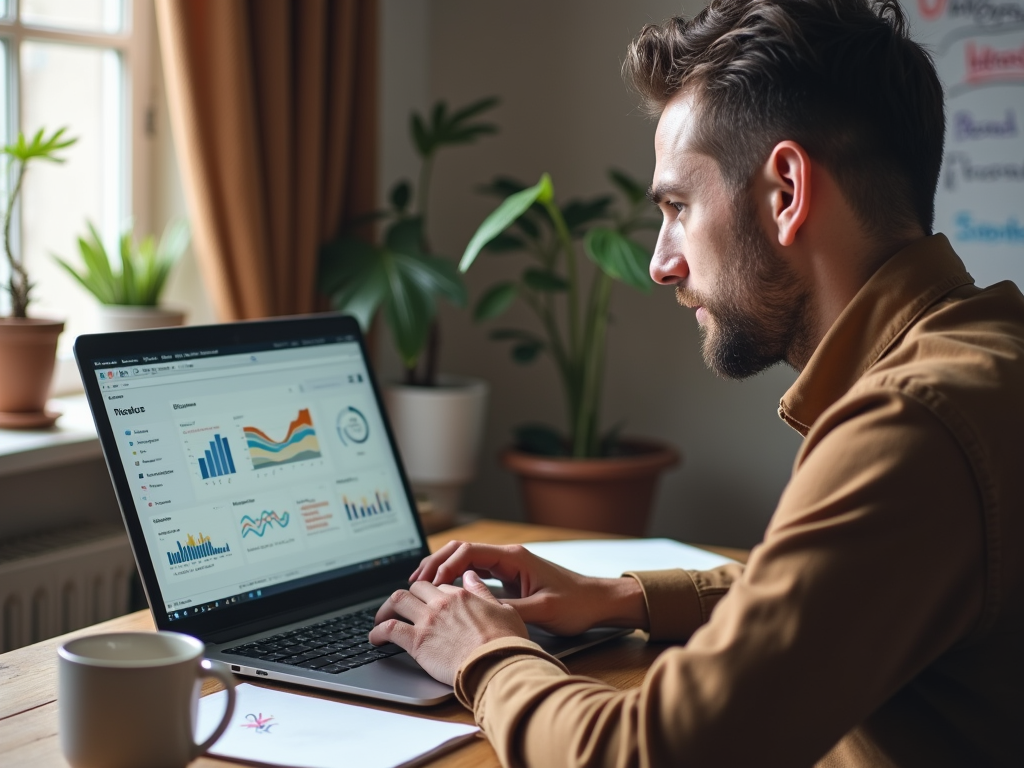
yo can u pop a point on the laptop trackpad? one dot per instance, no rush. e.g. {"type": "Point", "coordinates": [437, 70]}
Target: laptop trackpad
{"type": "Point", "coordinates": [400, 676]}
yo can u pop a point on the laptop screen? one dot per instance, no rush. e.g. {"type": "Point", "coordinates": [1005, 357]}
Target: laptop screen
{"type": "Point", "coordinates": [255, 468]}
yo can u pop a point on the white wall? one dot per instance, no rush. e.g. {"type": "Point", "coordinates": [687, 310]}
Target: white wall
{"type": "Point", "coordinates": [565, 110]}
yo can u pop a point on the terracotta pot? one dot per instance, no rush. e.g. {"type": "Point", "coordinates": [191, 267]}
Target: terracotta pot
{"type": "Point", "coordinates": [612, 495]}
{"type": "Point", "coordinates": [28, 349]}
{"type": "Point", "coordinates": [122, 317]}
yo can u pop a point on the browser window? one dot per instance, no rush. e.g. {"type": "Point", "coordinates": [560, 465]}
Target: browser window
{"type": "Point", "coordinates": [256, 470]}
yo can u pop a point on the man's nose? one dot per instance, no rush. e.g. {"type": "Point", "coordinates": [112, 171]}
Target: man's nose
{"type": "Point", "coordinates": [668, 265]}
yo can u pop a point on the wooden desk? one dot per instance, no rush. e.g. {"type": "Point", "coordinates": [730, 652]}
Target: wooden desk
{"type": "Point", "coordinates": [28, 676]}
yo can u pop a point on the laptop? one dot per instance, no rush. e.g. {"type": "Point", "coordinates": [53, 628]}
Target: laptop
{"type": "Point", "coordinates": [264, 497]}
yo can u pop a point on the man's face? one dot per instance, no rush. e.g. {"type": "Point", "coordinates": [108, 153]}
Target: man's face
{"type": "Point", "coordinates": [749, 303]}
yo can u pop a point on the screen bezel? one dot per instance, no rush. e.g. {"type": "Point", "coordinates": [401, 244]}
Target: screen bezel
{"type": "Point", "coordinates": [102, 347]}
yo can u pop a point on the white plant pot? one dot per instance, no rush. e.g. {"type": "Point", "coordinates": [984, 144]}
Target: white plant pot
{"type": "Point", "coordinates": [439, 431]}
{"type": "Point", "coordinates": [121, 317]}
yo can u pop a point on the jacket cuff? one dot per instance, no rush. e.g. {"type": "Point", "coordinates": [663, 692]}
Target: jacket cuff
{"type": "Point", "coordinates": [485, 662]}
{"type": "Point", "coordinates": [673, 603]}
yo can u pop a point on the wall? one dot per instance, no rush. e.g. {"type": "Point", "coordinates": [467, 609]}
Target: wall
{"type": "Point", "coordinates": [565, 110]}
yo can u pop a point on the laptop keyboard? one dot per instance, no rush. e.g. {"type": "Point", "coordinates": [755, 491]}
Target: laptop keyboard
{"type": "Point", "coordinates": [333, 646]}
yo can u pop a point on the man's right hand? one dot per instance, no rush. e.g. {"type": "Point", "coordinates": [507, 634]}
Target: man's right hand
{"type": "Point", "coordinates": [549, 596]}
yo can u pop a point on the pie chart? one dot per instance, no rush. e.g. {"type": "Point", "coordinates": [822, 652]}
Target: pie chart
{"type": "Point", "coordinates": [353, 429]}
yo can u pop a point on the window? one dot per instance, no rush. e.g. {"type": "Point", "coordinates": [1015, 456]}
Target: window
{"type": "Point", "coordinates": [84, 64]}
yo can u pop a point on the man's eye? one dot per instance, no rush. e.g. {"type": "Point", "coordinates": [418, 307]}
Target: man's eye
{"type": "Point", "coordinates": [678, 206]}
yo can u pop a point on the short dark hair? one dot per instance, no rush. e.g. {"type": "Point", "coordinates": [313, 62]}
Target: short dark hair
{"type": "Point", "coordinates": [840, 77]}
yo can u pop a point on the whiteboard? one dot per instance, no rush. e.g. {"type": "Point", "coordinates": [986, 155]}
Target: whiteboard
{"type": "Point", "coordinates": [978, 46]}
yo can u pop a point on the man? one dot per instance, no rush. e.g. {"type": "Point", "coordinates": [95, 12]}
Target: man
{"type": "Point", "coordinates": [881, 621]}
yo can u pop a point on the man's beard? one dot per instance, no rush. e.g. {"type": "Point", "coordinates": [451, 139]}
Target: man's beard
{"type": "Point", "coordinates": [758, 316]}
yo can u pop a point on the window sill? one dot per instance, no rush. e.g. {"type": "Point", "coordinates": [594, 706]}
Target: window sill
{"type": "Point", "coordinates": [71, 439]}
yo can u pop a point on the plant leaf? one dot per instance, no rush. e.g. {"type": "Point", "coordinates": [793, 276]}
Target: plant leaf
{"type": "Point", "coordinates": [341, 260]}
{"type": "Point", "coordinates": [400, 196]}
{"type": "Point", "coordinates": [542, 280]}
{"type": "Point", "coordinates": [632, 189]}
{"type": "Point", "coordinates": [619, 257]}
{"type": "Point", "coordinates": [419, 136]}
{"type": "Point", "coordinates": [526, 352]}
{"type": "Point", "coordinates": [579, 212]}
{"type": "Point", "coordinates": [408, 310]}
{"type": "Point", "coordinates": [473, 109]}
{"type": "Point", "coordinates": [435, 275]}
{"type": "Point", "coordinates": [540, 439]}
{"type": "Point", "coordinates": [500, 218]}
{"type": "Point", "coordinates": [405, 236]}
{"type": "Point", "coordinates": [511, 334]}
{"type": "Point", "coordinates": [504, 243]}
{"type": "Point", "coordinates": [495, 301]}
{"type": "Point", "coordinates": [502, 186]}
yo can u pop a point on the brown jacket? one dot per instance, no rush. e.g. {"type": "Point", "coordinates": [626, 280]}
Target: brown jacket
{"type": "Point", "coordinates": [881, 621]}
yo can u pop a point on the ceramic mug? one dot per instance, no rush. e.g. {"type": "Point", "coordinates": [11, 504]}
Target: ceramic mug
{"type": "Point", "coordinates": [130, 699]}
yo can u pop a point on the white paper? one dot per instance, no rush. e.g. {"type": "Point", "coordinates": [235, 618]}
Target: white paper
{"type": "Point", "coordinates": [610, 558]}
{"type": "Point", "coordinates": [281, 728]}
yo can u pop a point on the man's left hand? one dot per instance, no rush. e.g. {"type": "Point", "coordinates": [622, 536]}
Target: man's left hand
{"type": "Point", "coordinates": [448, 623]}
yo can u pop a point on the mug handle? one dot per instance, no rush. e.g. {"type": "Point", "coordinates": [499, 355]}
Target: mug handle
{"type": "Point", "coordinates": [220, 672]}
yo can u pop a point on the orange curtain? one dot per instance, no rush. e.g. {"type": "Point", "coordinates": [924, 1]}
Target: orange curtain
{"type": "Point", "coordinates": [272, 105]}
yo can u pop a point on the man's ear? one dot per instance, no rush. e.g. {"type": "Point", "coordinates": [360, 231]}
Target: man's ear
{"type": "Point", "coordinates": [788, 177]}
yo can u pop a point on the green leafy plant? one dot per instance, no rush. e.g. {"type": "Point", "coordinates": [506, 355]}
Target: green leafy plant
{"type": "Point", "coordinates": [144, 266]}
{"type": "Point", "coordinates": [400, 274]}
{"type": "Point", "coordinates": [574, 326]}
{"type": "Point", "coordinates": [19, 156]}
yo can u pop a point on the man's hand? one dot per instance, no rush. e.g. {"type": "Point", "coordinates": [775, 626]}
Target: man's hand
{"type": "Point", "coordinates": [549, 596]}
{"type": "Point", "coordinates": [448, 623]}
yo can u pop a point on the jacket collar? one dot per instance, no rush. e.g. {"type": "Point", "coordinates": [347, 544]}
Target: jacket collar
{"type": "Point", "coordinates": [890, 301]}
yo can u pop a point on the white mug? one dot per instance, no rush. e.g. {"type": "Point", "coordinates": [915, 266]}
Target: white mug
{"type": "Point", "coordinates": [130, 699]}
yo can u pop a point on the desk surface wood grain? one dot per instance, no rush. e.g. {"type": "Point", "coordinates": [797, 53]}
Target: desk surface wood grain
{"type": "Point", "coordinates": [28, 676]}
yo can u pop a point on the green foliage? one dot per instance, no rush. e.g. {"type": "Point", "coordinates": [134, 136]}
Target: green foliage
{"type": "Point", "coordinates": [399, 275]}
{"type": "Point", "coordinates": [529, 220]}
{"type": "Point", "coordinates": [143, 267]}
{"type": "Point", "coordinates": [444, 130]}
{"type": "Point", "coordinates": [21, 154]}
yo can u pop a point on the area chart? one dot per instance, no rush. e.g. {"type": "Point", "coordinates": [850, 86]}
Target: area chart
{"type": "Point", "coordinates": [195, 549]}
{"type": "Point", "coordinates": [260, 525]}
{"type": "Point", "coordinates": [298, 444]}
{"type": "Point", "coordinates": [218, 459]}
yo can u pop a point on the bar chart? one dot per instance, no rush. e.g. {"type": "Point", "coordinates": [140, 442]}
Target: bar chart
{"type": "Point", "coordinates": [378, 504]}
{"type": "Point", "coordinates": [195, 549]}
{"type": "Point", "coordinates": [218, 460]}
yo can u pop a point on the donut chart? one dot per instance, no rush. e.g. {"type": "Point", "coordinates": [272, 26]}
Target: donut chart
{"type": "Point", "coordinates": [353, 428]}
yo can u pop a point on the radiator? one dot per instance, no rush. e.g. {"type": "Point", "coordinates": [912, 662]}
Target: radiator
{"type": "Point", "coordinates": [62, 580]}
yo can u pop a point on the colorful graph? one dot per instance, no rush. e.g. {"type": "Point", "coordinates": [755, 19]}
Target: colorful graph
{"type": "Point", "coordinates": [260, 525]}
{"type": "Point", "coordinates": [218, 459]}
{"type": "Point", "coordinates": [195, 549]}
{"type": "Point", "coordinates": [358, 510]}
{"type": "Point", "coordinates": [298, 444]}
{"type": "Point", "coordinates": [352, 426]}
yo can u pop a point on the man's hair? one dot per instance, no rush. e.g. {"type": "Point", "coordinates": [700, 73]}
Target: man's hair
{"type": "Point", "coordinates": [842, 78]}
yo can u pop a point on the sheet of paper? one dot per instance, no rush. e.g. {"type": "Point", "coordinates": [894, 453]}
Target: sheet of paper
{"type": "Point", "coordinates": [609, 558]}
{"type": "Point", "coordinates": [280, 728]}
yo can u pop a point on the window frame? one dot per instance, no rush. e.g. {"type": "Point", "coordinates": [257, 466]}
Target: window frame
{"type": "Point", "coordinates": [135, 45]}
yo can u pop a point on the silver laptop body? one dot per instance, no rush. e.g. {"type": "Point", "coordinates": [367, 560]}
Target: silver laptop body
{"type": "Point", "coordinates": [264, 497]}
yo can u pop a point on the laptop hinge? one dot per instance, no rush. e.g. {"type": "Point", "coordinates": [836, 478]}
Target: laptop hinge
{"type": "Point", "coordinates": [306, 612]}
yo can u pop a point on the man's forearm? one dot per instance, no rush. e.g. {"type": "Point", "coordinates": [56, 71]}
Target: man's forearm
{"type": "Point", "coordinates": [619, 603]}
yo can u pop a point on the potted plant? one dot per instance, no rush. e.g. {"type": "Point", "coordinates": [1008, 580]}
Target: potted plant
{"type": "Point", "coordinates": [437, 419]}
{"type": "Point", "coordinates": [129, 295]}
{"type": "Point", "coordinates": [28, 345]}
{"type": "Point", "coordinates": [586, 478]}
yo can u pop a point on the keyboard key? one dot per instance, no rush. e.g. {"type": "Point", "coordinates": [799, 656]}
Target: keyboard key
{"type": "Point", "coordinates": [275, 656]}
{"type": "Point", "coordinates": [314, 663]}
